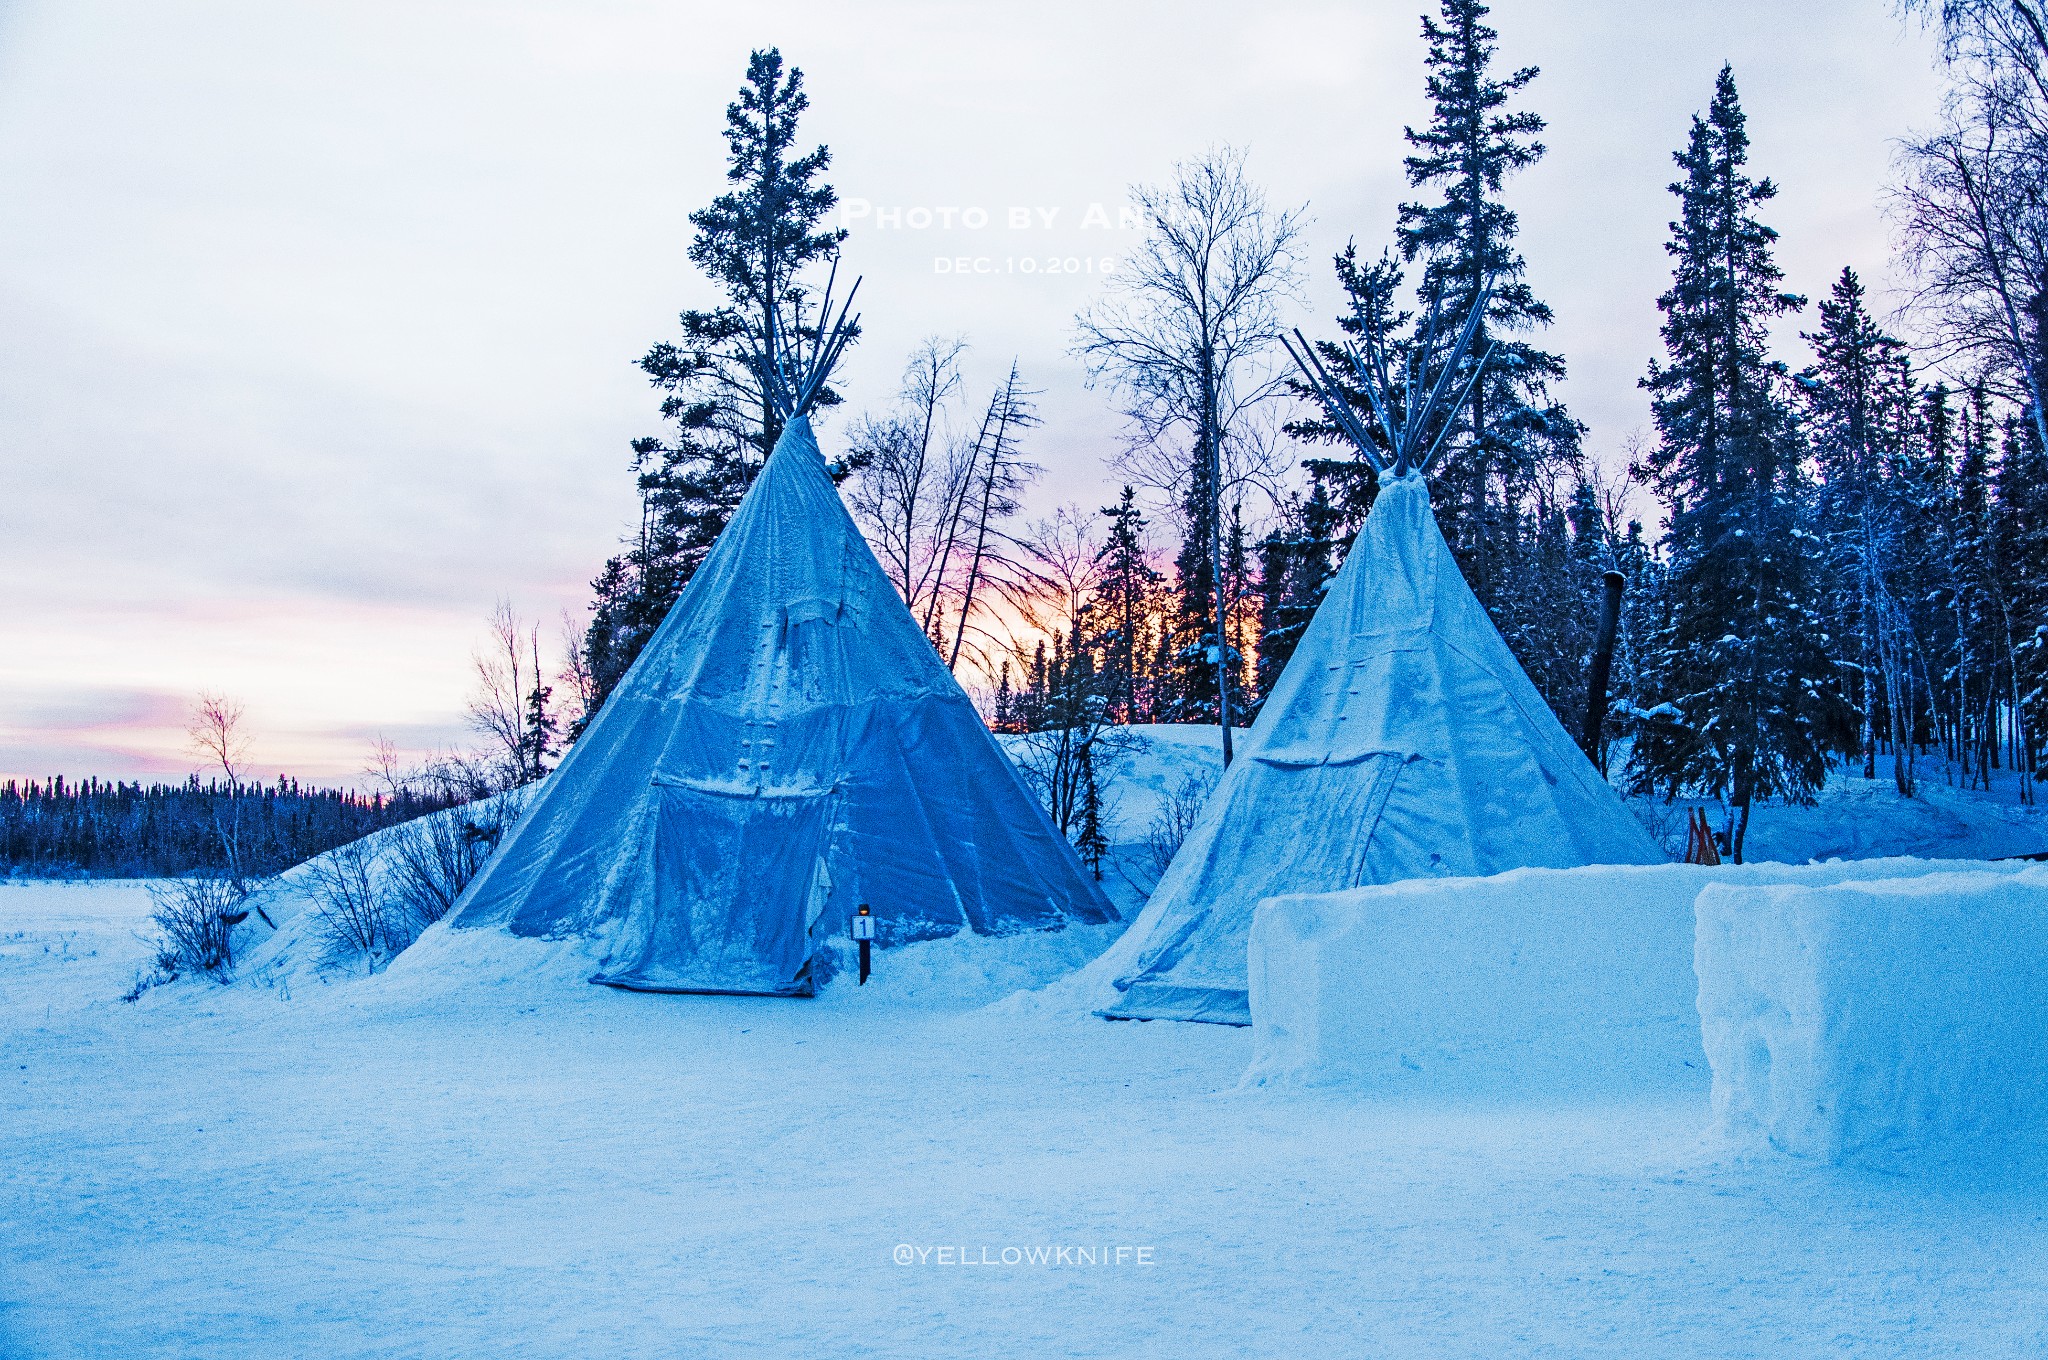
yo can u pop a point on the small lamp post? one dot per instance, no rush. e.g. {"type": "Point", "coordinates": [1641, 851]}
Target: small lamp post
{"type": "Point", "coordinates": [864, 933]}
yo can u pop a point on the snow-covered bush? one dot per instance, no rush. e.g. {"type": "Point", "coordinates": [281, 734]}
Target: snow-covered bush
{"type": "Point", "coordinates": [352, 915]}
{"type": "Point", "coordinates": [1178, 810]}
{"type": "Point", "coordinates": [196, 916]}
{"type": "Point", "coordinates": [432, 860]}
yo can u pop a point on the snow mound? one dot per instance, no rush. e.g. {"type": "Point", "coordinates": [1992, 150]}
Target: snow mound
{"type": "Point", "coordinates": [1893, 1023]}
{"type": "Point", "coordinates": [965, 971]}
{"type": "Point", "coordinates": [282, 942]}
{"type": "Point", "coordinates": [1537, 981]}
{"type": "Point", "coordinates": [959, 972]}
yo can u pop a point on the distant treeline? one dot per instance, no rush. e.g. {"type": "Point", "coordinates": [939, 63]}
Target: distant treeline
{"type": "Point", "coordinates": [116, 830]}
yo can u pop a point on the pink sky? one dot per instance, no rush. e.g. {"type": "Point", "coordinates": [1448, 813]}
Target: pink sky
{"type": "Point", "coordinates": [317, 321]}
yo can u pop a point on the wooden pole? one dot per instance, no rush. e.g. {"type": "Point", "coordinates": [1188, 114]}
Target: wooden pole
{"type": "Point", "coordinates": [1603, 667]}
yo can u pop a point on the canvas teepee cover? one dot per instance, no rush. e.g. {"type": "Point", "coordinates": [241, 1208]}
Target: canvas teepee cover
{"type": "Point", "coordinates": [1403, 740]}
{"type": "Point", "coordinates": [787, 747]}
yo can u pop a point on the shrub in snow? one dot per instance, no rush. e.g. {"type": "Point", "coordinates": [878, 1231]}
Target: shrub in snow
{"type": "Point", "coordinates": [196, 916]}
{"type": "Point", "coordinates": [1178, 809]}
{"type": "Point", "coordinates": [350, 909]}
{"type": "Point", "coordinates": [1887, 1023]}
{"type": "Point", "coordinates": [432, 859]}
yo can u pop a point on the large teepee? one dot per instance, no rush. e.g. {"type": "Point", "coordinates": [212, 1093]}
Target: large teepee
{"type": "Point", "coordinates": [787, 747]}
{"type": "Point", "coordinates": [1402, 741]}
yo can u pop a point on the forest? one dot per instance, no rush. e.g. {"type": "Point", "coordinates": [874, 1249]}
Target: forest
{"type": "Point", "coordinates": [106, 829]}
{"type": "Point", "coordinates": [1838, 562]}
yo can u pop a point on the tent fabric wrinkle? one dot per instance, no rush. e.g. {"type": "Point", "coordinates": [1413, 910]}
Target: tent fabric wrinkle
{"type": "Point", "coordinates": [787, 747]}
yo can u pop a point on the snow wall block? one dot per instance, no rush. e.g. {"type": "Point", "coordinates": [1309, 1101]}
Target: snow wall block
{"type": "Point", "coordinates": [1544, 982]}
{"type": "Point", "coordinates": [1893, 1024]}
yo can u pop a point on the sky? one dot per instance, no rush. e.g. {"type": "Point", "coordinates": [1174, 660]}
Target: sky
{"type": "Point", "coordinates": [318, 321]}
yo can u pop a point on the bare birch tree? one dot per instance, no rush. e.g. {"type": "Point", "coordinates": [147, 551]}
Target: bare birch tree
{"type": "Point", "coordinates": [217, 735]}
{"type": "Point", "coordinates": [910, 475]}
{"type": "Point", "coordinates": [995, 472]}
{"type": "Point", "coordinates": [933, 501]}
{"type": "Point", "coordinates": [1182, 330]}
{"type": "Point", "coordinates": [510, 706]}
{"type": "Point", "coordinates": [1971, 204]}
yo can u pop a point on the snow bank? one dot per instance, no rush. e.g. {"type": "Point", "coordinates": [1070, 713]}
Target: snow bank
{"type": "Point", "coordinates": [281, 942]}
{"type": "Point", "coordinates": [1891, 1023]}
{"type": "Point", "coordinates": [1538, 980]}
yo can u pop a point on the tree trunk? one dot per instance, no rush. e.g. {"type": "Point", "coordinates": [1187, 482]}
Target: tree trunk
{"type": "Point", "coordinates": [1215, 467]}
{"type": "Point", "coordinates": [1603, 665]}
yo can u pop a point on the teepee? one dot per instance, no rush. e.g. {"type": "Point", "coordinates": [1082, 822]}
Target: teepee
{"type": "Point", "coordinates": [1402, 741]}
{"type": "Point", "coordinates": [787, 748]}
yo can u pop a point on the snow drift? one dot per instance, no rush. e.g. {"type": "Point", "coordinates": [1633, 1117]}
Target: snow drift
{"type": "Point", "coordinates": [1888, 1023]}
{"type": "Point", "coordinates": [1568, 981]}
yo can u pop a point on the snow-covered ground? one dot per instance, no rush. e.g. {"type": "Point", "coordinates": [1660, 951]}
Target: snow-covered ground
{"type": "Point", "coordinates": [476, 1153]}
{"type": "Point", "coordinates": [1858, 818]}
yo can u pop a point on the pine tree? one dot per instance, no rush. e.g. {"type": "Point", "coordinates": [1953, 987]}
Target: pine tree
{"type": "Point", "coordinates": [1005, 718]}
{"type": "Point", "coordinates": [1968, 592]}
{"type": "Point", "coordinates": [2021, 551]}
{"type": "Point", "coordinates": [537, 741]}
{"type": "Point", "coordinates": [2016, 543]}
{"type": "Point", "coordinates": [1847, 400]}
{"type": "Point", "coordinates": [1741, 665]}
{"type": "Point", "coordinates": [1090, 839]}
{"type": "Point", "coordinates": [1294, 572]}
{"type": "Point", "coordinates": [1241, 616]}
{"type": "Point", "coordinates": [755, 243]}
{"type": "Point", "coordinates": [1511, 429]}
{"type": "Point", "coordinates": [1122, 608]}
{"type": "Point", "coordinates": [1189, 685]}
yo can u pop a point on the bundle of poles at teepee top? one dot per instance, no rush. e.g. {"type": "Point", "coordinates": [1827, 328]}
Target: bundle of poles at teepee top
{"type": "Point", "coordinates": [792, 375]}
{"type": "Point", "coordinates": [1402, 421]}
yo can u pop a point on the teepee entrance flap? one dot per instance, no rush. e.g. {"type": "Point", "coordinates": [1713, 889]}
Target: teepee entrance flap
{"type": "Point", "coordinates": [739, 879]}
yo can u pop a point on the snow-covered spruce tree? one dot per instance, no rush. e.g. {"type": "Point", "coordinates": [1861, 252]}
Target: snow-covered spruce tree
{"type": "Point", "coordinates": [1512, 430]}
{"type": "Point", "coordinates": [1926, 484]}
{"type": "Point", "coordinates": [755, 243]}
{"type": "Point", "coordinates": [1966, 591]}
{"type": "Point", "coordinates": [2018, 541]}
{"type": "Point", "coordinates": [1294, 571]}
{"type": "Point", "coordinates": [1241, 616]}
{"type": "Point", "coordinates": [1748, 706]}
{"type": "Point", "coordinates": [1089, 838]}
{"type": "Point", "coordinates": [1122, 614]}
{"type": "Point", "coordinates": [1851, 405]}
{"type": "Point", "coordinates": [1189, 687]}
{"type": "Point", "coordinates": [1553, 596]}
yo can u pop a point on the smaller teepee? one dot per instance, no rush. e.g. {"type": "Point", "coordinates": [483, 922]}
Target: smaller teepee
{"type": "Point", "coordinates": [787, 748]}
{"type": "Point", "coordinates": [1403, 740]}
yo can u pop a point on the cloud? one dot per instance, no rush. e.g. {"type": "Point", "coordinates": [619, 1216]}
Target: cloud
{"type": "Point", "coordinates": [321, 318]}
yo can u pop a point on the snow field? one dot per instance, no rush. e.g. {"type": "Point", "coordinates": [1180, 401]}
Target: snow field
{"type": "Point", "coordinates": [1900, 1023]}
{"type": "Point", "coordinates": [495, 1158]}
{"type": "Point", "coordinates": [1558, 981]}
